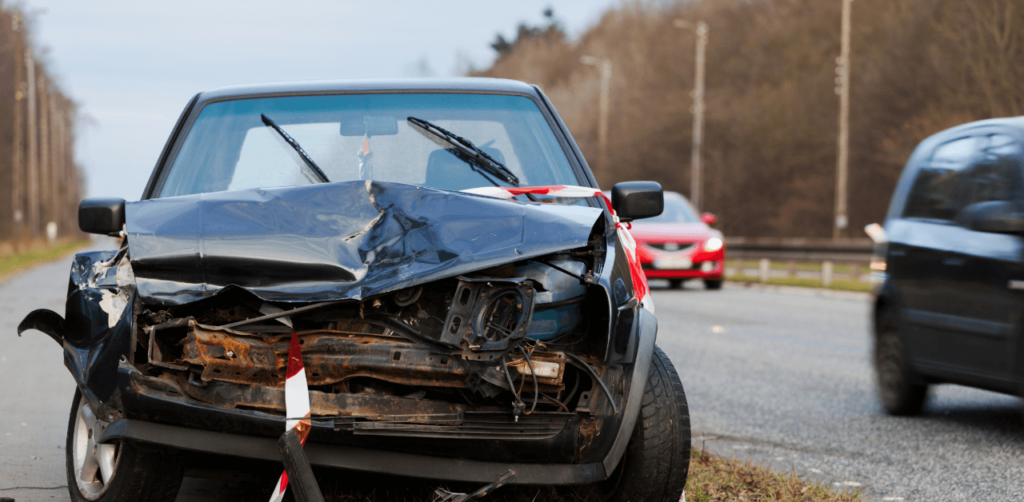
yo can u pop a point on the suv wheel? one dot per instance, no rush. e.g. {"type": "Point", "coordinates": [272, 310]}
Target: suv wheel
{"type": "Point", "coordinates": [118, 472]}
{"type": "Point", "coordinates": [657, 459]}
{"type": "Point", "coordinates": [899, 387]}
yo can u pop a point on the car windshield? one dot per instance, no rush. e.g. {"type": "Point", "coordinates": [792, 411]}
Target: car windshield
{"type": "Point", "coordinates": [364, 137]}
{"type": "Point", "coordinates": [677, 210]}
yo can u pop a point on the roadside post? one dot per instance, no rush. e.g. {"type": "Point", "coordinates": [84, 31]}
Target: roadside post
{"type": "Point", "coordinates": [605, 66]}
{"type": "Point", "coordinates": [842, 157]}
{"type": "Point", "coordinates": [696, 168]}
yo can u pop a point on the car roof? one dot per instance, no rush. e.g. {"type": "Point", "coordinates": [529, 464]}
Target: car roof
{"type": "Point", "coordinates": [1014, 122]}
{"type": "Point", "coordinates": [925, 148]}
{"type": "Point", "coordinates": [460, 84]}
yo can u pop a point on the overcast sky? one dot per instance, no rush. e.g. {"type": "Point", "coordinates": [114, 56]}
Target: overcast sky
{"type": "Point", "coordinates": [134, 65]}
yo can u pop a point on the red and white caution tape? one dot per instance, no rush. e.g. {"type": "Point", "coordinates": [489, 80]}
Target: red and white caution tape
{"type": "Point", "coordinates": [643, 292]}
{"type": "Point", "coordinates": [296, 404]}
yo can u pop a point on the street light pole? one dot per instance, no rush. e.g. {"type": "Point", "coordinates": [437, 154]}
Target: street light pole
{"type": "Point", "coordinates": [843, 90]}
{"type": "Point", "coordinates": [605, 66]}
{"type": "Point", "coordinates": [696, 169]}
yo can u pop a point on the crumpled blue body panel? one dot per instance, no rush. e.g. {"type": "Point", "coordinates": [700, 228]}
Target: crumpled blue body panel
{"type": "Point", "coordinates": [334, 241]}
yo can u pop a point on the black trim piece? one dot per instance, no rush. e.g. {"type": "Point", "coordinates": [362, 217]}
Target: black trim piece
{"type": "Point", "coordinates": [959, 324]}
{"type": "Point", "coordinates": [296, 464]}
{"type": "Point", "coordinates": [354, 458]}
{"type": "Point", "coordinates": [156, 177]}
{"type": "Point", "coordinates": [945, 373]}
{"type": "Point", "coordinates": [630, 413]}
{"type": "Point", "coordinates": [578, 162]}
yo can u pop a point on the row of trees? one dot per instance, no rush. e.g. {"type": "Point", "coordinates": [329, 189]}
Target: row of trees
{"type": "Point", "coordinates": [40, 184]}
{"type": "Point", "coordinates": [918, 66]}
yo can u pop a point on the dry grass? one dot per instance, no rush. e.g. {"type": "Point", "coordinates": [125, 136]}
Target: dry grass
{"type": "Point", "coordinates": [711, 479]}
{"type": "Point", "coordinates": [837, 284]}
{"type": "Point", "coordinates": [714, 479]}
{"type": "Point", "coordinates": [13, 263]}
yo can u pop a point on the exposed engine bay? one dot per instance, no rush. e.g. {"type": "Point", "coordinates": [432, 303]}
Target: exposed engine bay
{"type": "Point", "coordinates": [504, 344]}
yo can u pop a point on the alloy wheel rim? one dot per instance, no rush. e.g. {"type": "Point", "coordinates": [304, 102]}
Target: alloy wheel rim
{"type": "Point", "coordinates": [94, 463]}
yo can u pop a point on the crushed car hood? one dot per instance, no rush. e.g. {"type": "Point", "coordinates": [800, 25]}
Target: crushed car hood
{"type": "Point", "coordinates": [334, 241]}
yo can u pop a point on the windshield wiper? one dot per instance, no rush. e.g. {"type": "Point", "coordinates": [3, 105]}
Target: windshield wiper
{"type": "Point", "coordinates": [295, 144]}
{"type": "Point", "coordinates": [473, 154]}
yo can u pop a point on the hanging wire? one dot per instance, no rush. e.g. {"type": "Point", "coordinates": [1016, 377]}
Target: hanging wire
{"type": "Point", "coordinates": [536, 387]}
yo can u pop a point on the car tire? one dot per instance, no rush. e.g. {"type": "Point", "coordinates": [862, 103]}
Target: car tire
{"type": "Point", "coordinates": [657, 458]}
{"type": "Point", "coordinates": [140, 473]}
{"type": "Point", "coordinates": [675, 283]}
{"type": "Point", "coordinates": [900, 389]}
{"type": "Point", "coordinates": [713, 283]}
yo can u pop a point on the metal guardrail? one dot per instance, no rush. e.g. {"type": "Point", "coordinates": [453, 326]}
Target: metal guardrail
{"type": "Point", "coordinates": [800, 249]}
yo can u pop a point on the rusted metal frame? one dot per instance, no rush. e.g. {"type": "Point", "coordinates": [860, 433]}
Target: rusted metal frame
{"type": "Point", "coordinates": [323, 405]}
{"type": "Point", "coordinates": [583, 364]}
{"type": "Point", "coordinates": [300, 472]}
{"type": "Point", "coordinates": [331, 357]}
{"type": "Point", "coordinates": [153, 351]}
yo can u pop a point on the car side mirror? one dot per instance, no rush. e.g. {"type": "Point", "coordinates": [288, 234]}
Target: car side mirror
{"type": "Point", "coordinates": [996, 216]}
{"type": "Point", "coordinates": [633, 200]}
{"type": "Point", "coordinates": [103, 216]}
{"type": "Point", "coordinates": [708, 218]}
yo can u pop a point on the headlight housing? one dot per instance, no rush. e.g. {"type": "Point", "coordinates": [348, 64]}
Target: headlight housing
{"type": "Point", "coordinates": [713, 244]}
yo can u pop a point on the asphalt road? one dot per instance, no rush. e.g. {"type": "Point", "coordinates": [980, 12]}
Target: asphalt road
{"type": "Point", "coordinates": [783, 377]}
{"type": "Point", "coordinates": [780, 376]}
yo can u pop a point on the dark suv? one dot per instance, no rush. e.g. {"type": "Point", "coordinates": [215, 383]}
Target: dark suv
{"type": "Point", "coordinates": [949, 308]}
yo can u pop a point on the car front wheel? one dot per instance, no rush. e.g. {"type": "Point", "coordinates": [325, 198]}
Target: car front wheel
{"type": "Point", "coordinates": [115, 472]}
{"type": "Point", "coordinates": [713, 283]}
{"type": "Point", "coordinates": [657, 459]}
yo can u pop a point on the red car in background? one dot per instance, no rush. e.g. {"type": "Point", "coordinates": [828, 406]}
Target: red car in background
{"type": "Point", "coordinates": [680, 245]}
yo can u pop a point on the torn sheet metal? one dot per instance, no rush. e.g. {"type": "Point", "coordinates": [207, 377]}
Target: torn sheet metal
{"type": "Point", "coordinates": [334, 241]}
{"type": "Point", "coordinates": [98, 320]}
{"type": "Point", "coordinates": [641, 289]}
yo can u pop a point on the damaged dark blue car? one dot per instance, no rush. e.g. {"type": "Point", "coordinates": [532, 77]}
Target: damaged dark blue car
{"type": "Point", "coordinates": [432, 259]}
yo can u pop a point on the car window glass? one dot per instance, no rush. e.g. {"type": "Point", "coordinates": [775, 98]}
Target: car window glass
{"type": "Point", "coordinates": [934, 194]}
{"type": "Point", "coordinates": [995, 175]}
{"type": "Point", "coordinates": [263, 161]}
{"type": "Point", "coordinates": [355, 137]}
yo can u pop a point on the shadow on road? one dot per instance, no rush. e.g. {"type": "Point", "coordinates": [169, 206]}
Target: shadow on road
{"type": "Point", "coordinates": [1000, 423]}
{"type": "Point", "coordinates": [252, 480]}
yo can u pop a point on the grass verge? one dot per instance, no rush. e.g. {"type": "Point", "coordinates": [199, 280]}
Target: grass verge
{"type": "Point", "coordinates": [12, 264]}
{"type": "Point", "coordinates": [714, 479]}
{"type": "Point", "coordinates": [837, 284]}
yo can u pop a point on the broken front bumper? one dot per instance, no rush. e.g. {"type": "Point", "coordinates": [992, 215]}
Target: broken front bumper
{"type": "Point", "coordinates": [544, 449]}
